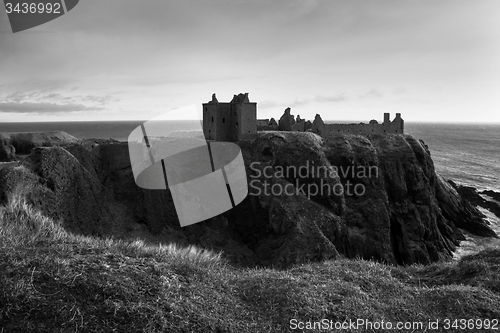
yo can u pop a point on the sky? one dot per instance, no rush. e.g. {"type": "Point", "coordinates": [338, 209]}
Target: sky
{"type": "Point", "coordinates": [432, 61]}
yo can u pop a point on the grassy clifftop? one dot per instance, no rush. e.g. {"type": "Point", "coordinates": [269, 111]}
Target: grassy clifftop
{"type": "Point", "coordinates": [54, 281]}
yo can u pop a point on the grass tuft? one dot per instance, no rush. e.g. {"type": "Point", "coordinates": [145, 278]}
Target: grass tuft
{"type": "Point", "coordinates": [54, 281]}
{"type": "Point", "coordinates": [22, 225]}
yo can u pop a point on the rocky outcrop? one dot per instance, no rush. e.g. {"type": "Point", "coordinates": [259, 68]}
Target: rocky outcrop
{"type": "Point", "coordinates": [492, 194]}
{"type": "Point", "coordinates": [63, 189]}
{"type": "Point", "coordinates": [459, 210]}
{"type": "Point", "coordinates": [471, 195]}
{"type": "Point", "coordinates": [281, 221]}
{"type": "Point", "coordinates": [25, 141]}
{"type": "Point", "coordinates": [395, 215]}
{"type": "Point", "coordinates": [310, 199]}
{"type": "Point", "coordinates": [7, 151]}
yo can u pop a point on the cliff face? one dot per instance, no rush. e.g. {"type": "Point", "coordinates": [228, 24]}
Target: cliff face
{"type": "Point", "coordinates": [310, 199]}
{"type": "Point", "coordinates": [7, 151]}
{"type": "Point", "coordinates": [24, 142]}
{"type": "Point", "coordinates": [399, 218]}
{"type": "Point", "coordinates": [394, 206]}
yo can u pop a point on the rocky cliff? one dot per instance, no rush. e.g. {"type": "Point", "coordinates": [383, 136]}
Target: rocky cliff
{"type": "Point", "coordinates": [310, 199]}
{"type": "Point", "coordinates": [7, 151]}
{"type": "Point", "coordinates": [24, 142]}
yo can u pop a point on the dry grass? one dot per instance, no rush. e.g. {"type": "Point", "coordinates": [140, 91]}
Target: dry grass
{"type": "Point", "coordinates": [54, 281]}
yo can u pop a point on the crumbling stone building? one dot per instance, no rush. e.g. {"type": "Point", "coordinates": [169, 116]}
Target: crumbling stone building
{"type": "Point", "coordinates": [231, 121]}
{"type": "Point", "coordinates": [237, 120]}
{"type": "Point", "coordinates": [373, 127]}
{"type": "Point", "coordinates": [289, 123]}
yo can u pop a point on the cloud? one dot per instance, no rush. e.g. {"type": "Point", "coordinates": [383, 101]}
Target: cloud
{"type": "Point", "coordinates": [373, 93]}
{"type": "Point", "coordinates": [26, 96]}
{"type": "Point", "coordinates": [100, 99]}
{"type": "Point", "coordinates": [43, 108]}
{"type": "Point", "coordinates": [292, 52]}
{"type": "Point", "coordinates": [321, 99]}
{"type": "Point", "coordinates": [19, 96]}
{"type": "Point", "coordinates": [304, 101]}
{"type": "Point", "coordinates": [266, 104]}
{"type": "Point", "coordinates": [60, 101]}
{"type": "Point", "coordinates": [400, 90]}
{"type": "Point", "coordinates": [52, 95]}
{"type": "Point", "coordinates": [328, 99]}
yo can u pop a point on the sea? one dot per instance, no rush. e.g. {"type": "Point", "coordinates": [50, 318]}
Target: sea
{"type": "Point", "coordinates": [468, 154]}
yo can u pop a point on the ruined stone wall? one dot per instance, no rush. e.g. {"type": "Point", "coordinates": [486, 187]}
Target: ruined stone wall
{"type": "Point", "coordinates": [298, 127]}
{"type": "Point", "coordinates": [361, 129]}
{"type": "Point", "coordinates": [237, 120]}
{"type": "Point", "coordinates": [268, 128]}
{"type": "Point", "coordinates": [209, 115]}
{"type": "Point", "coordinates": [216, 121]}
{"type": "Point", "coordinates": [244, 115]}
{"type": "Point", "coordinates": [267, 125]}
{"type": "Point", "coordinates": [387, 127]}
{"type": "Point", "coordinates": [262, 122]}
{"type": "Point", "coordinates": [246, 120]}
{"type": "Point", "coordinates": [231, 121]}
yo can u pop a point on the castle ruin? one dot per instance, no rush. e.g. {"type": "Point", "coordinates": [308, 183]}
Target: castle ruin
{"type": "Point", "coordinates": [237, 120]}
{"type": "Point", "coordinates": [231, 121]}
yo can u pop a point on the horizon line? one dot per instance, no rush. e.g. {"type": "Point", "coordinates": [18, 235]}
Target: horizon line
{"type": "Point", "coordinates": [325, 120]}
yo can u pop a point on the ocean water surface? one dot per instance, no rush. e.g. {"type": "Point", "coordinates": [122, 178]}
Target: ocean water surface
{"type": "Point", "coordinates": [118, 130]}
{"type": "Point", "coordinates": [469, 154]}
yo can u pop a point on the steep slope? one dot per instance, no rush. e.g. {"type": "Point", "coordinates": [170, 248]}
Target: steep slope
{"type": "Point", "coordinates": [25, 141]}
{"type": "Point", "coordinates": [376, 197]}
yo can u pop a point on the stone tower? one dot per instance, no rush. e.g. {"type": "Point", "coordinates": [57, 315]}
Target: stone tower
{"type": "Point", "coordinates": [231, 121]}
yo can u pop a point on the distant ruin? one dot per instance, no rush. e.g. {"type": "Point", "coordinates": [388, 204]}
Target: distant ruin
{"type": "Point", "coordinates": [231, 121]}
{"type": "Point", "coordinates": [237, 120]}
